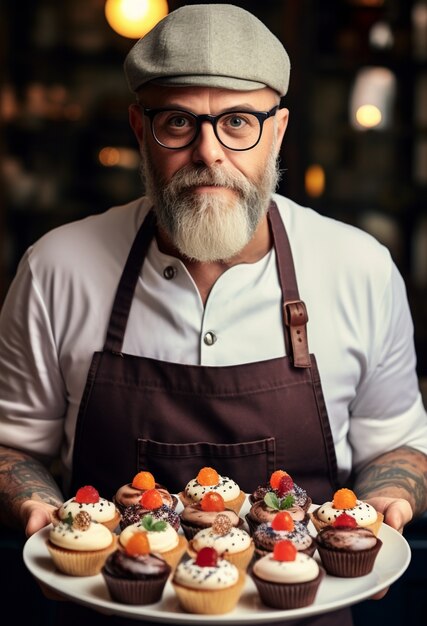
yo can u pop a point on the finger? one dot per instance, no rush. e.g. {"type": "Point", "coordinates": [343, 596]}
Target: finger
{"type": "Point", "coordinates": [398, 514]}
{"type": "Point", "coordinates": [380, 594]}
{"type": "Point", "coordinates": [37, 519]}
{"type": "Point", "coordinates": [49, 593]}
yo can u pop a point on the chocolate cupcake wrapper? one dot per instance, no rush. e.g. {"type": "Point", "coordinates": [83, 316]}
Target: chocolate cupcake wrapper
{"type": "Point", "coordinates": [346, 564]}
{"type": "Point", "coordinates": [135, 591]}
{"type": "Point", "coordinates": [287, 596]}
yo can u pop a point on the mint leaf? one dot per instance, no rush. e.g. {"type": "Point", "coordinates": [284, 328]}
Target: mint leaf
{"type": "Point", "coordinates": [287, 502]}
{"type": "Point", "coordinates": [150, 524]}
{"type": "Point", "coordinates": [272, 501]}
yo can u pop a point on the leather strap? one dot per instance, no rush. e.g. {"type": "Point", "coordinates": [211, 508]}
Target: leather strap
{"type": "Point", "coordinates": [296, 318]}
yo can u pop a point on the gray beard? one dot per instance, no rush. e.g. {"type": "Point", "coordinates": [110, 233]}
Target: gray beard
{"type": "Point", "coordinates": [208, 227]}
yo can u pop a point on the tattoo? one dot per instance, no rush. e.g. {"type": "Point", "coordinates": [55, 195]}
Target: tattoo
{"type": "Point", "coordinates": [401, 473]}
{"type": "Point", "coordinates": [24, 478]}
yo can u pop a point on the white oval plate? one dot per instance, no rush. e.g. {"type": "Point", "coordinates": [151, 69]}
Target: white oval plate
{"type": "Point", "coordinates": [334, 593]}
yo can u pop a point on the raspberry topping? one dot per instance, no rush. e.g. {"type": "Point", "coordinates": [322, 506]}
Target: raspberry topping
{"type": "Point", "coordinates": [207, 557]}
{"type": "Point", "coordinates": [284, 551]}
{"type": "Point", "coordinates": [208, 477]}
{"type": "Point", "coordinates": [345, 521]}
{"type": "Point", "coordinates": [283, 521]}
{"type": "Point", "coordinates": [87, 495]}
{"type": "Point", "coordinates": [344, 499]}
{"type": "Point", "coordinates": [138, 544]}
{"type": "Point", "coordinates": [151, 499]}
{"type": "Point", "coordinates": [286, 484]}
{"type": "Point", "coordinates": [143, 480]}
{"type": "Point", "coordinates": [212, 501]}
{"type": "Point", "coordinates": [276, 477]}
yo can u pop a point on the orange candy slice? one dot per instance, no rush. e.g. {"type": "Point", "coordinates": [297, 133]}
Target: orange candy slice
{"type": "Point", "coordinates": [151, 499]}
{"type": "Point", "coordinates": [138, 544]}
{"type": "Point", "coordinates": [212, 501]}
{"type": "Point", "coordinates": [344, 499]}
{"type": "Point", "coordinates": [208, 477]}
{"type": "Point", "coordinates": [283, 521]}
{"type": "Point", "coordinates": [276, 477]}
{"type": "Point", "coordinates": [144, 480]}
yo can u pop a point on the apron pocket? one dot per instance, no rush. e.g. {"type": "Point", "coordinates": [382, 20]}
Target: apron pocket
{"type": "Point", "coordinates": [248, 463]}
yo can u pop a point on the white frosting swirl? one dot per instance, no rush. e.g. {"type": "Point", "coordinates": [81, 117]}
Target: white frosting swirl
{"type": "Point", "coordinates": [96, 537]}
{"type": "Point", "coordinates": [101, 511]}
{"type": "Point", "coordinates": [223, 574]}
{"type": "Point", "coordinates": [363, 513]}
{"type": "Point", "coordinates": [159, 540]}
{"type": "Point", "coordinates": [303, 569]}
{"type": "Point", "coordinates": [226, 487]}
{"type": "Point", "coordinates": [234, 541]}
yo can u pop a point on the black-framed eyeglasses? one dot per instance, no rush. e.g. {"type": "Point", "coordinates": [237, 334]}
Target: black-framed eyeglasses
{"type": "Point", "coordinates": [236, 130]}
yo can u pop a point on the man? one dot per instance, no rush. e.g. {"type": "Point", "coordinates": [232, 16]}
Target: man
{"type": "Point", "coordinates": [171, 338]}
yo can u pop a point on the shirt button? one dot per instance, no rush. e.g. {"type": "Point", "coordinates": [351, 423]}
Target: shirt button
{"type": "Point", "coordinates": [210, 338]}
{"type": "Point", "coordinates": [169, 272]}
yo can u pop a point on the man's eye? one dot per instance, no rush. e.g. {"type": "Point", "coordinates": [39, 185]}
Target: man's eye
{"type": "Point", "coordinates": [178, 121]}
{"type": "Point", "coordinates": [235, 121]}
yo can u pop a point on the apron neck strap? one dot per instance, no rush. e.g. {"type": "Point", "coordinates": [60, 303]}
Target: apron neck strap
{"type": "Point", "coordinates": [295, 315]}
{"type": "Point", "coordinates": [126, 288]}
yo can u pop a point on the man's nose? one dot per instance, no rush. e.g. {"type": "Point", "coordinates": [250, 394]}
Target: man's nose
{"type": "Point", "coordinates": [207, 149]}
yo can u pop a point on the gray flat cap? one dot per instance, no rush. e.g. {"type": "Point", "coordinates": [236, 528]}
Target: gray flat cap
{"type": "Point", "coordinates": [212, 45]}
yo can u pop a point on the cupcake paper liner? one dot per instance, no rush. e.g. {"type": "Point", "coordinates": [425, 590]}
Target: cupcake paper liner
{"type": "Point", "coordinates": [135, 591]}
{"type": "Point", "coordinates": [210, 601]}
{"type": "Point", "coordinates": [347, 564]}
{"type": "Point", "coordinates": [79, 563]}
{"type": "Point", "coordinates": [287, 595]}
{"type": "Point", "coordinates": [173, 557]}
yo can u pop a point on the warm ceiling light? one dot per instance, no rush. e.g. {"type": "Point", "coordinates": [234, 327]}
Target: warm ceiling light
{"type": "Point", "coordinates": [368, 116]}
{"type": "Point", "coordinates": [134, 18]}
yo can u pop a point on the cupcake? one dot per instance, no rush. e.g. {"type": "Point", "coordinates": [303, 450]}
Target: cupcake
{"type": "Point", "coordinates": [280, 528]}
{"type": "Point", "coordinates": [286, 578]}
{"type": "Point", "coordinates": [194, 517]}
{"type": "Point", "coordinates": [163, 538]}
{"type": "Point", "coordinates": [282, 484]}
{"type": "Point", "coordinates": [263, 511]}
{"type": "Point", "coordinates": [347, 550]}
{"type": "Point", "coordinates": [208, 584]}
{"type": "Point", "coordinates": [345, 501]}
{"type": "Point", "coordinates": [87, 499]}
{"type": "Point", "coordinates": [131, 493]}
{"type": "Point", "coordinates": [208, 479]}
{"type": "Point", "coordinates": [233, 544]}
{"type": "Point", "coordinates": [79, 546]}
{"type": "Point", "coordinates": [150, 502]}
{"type": "Point", "coordinates": [135, 575]}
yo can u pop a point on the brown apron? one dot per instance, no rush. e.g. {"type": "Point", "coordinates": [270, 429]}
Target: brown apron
{"type": "Point", "coordinates": [172, 419]}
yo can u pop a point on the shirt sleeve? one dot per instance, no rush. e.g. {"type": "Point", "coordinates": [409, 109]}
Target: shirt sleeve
{"type": "Point", "coordinates": [32, 391]}
{"type": "Point", "coordinates": [388, 411]}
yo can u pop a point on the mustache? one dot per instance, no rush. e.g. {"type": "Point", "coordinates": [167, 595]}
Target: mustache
{"type": "Point", "coordinates": [190, 176]}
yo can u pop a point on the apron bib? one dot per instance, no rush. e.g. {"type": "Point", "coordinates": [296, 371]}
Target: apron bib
{"type": "Point", "coordinates": [172, 419]}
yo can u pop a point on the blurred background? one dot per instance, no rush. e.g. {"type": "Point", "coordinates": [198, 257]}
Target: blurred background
{"type": "Point", "coordinates": [356, 146]}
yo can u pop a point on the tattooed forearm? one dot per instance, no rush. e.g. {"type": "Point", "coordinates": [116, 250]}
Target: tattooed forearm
{"type": "Point", "coordinates": [23, 478]}
{"type": "Point", "coordinates": [401, 473]}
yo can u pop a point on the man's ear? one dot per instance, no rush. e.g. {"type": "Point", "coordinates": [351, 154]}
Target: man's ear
{"type": "Point", "coordinates": [136, 122]}
{"type": "Point", "coordinates": [282, 117]}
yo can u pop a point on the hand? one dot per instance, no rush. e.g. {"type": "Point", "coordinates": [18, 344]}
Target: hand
{"type": "Point", "coordinates": [36, 514]}
{"type": "Point", "coordinates": [397, 513]}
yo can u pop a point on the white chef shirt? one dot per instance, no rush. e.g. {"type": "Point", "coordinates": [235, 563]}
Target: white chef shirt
{"type": "Point", "coordinates": [360, 329]}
